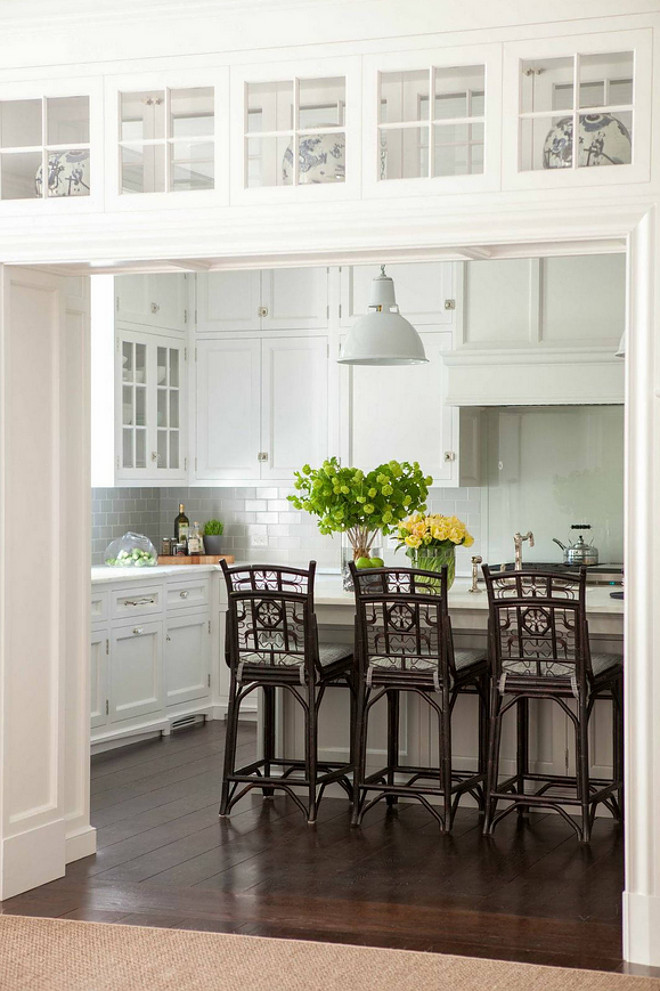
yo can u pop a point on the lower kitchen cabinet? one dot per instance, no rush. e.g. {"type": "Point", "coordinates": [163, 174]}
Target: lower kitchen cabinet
{"type": "Point", "coordinates": [160, 663]}
{"type": "Point", "coordinates": [135, 680]}
{"type": "Point", "coordinates": [187, 658]}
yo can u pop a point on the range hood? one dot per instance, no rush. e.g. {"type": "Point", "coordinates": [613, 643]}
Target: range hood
{"type": "Point", "coordinates": [533, 378]}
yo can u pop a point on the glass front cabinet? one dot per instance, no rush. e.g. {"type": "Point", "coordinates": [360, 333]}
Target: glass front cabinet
{"type": "Point", "coordinates": [295, 131]}
{"type": "Point", "coordinates": [597, 87]}
{"type": "Point", "coordinates": [432, 121]}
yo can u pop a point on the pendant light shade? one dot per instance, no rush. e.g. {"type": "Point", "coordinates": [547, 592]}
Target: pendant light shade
{"type": "Point", "coordinates": [383, 336]}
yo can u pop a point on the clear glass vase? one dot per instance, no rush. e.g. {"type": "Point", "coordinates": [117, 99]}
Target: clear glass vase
{"type": "Point", "coordinates": [350, 553]}
{"type": "Point", "coordinates": [433, 558]}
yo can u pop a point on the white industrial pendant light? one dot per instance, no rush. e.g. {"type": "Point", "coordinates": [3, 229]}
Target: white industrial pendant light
{"type": "Point", "coordinates": [383, 336]}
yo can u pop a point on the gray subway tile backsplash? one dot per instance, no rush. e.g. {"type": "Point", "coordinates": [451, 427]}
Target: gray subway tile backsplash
{"type": "Point", "coordinates": [251, 514]}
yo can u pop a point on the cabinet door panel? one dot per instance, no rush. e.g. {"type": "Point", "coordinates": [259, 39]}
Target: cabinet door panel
{"type": "Point", "coordinates": [421, 291]}
{"type": "Point", "coordinates": [583, 300]}
{"type": "Point", "coordinates": [295, 404]}
{"type": "Point", "coordinates": [399, 413]}
{"type": "Point", "coordinates": [295, 298]}
{"type": "Point", "coordinates": [228, 301]}
{"type": "Point", "coordinates": [187, 659]}
{"type": "Point", "coordinates": [158, 301]}
{"type": "Point", "coordinates": [135, 680]}
{"type": "Point", "coordinates": [228, 409]}
{"type": "Point", "coordinates": [98, 659]}
{"type": "Point", "coordinates": [500, 302]}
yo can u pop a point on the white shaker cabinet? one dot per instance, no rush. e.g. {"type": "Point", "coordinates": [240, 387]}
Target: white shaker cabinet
{"type": "Point", "coordinates": [228, 404]}
{"type": "Point", "coordinates": [187, 658]}
{"type": "Point", "coordinates": [158, 301]}
{"type": "Point", "coordinates": [400, 412]}
{"type": "Point", "coordinates": [261, 407]}
{"type": "Point", "coordinates": [271, 299]}
{"type": "Point", "coordinates": [425, 292]}
{"type": "Point", "coordinates": [136, 671]}
{"type": "Point", "coordinates": [98, 673]}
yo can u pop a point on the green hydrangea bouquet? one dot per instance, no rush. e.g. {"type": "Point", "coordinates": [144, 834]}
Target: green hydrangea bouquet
{"type": "Point", "coordinates": [358, 503]}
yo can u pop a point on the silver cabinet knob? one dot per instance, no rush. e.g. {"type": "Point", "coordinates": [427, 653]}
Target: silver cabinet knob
{"type": "Point", "coordinates": [168, 638]}
{"type": "Point", "coordinates": [155, 307]}
{"type": "Point", "coordinates": [138, 630]}
{"type": "Point", "coordinates": [184, 595]}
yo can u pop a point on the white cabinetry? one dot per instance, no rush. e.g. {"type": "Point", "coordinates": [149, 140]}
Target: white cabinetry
{"type": "Point", "coordinates": [159, 301]}
{"type": "Point", "coordinates": [262, 407]}
{"type": "Point", "coordinates": [425, 292]}
{"type": "Point", "coordinates": [272, 299]}
{"type": "Point", "coordinates": [539, 332]}
{"type": "Point", "coordinates": [157, 659]}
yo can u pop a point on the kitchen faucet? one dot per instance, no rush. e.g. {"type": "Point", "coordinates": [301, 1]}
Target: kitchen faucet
{"type": "Point", "coordinates": [517, 543]}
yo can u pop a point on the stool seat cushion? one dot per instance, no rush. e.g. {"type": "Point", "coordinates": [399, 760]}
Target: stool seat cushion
{"type": "Point", "coordinates": [330, 653]}
{"type": "Point", "coordinates": [600, 662]}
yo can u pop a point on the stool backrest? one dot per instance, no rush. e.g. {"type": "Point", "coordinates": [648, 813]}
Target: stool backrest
{"type": "Point", "coordinates": [402, 622]}
{"type": "Point", "coordinates": [270, 617]}
{"type": "Point", "coordinates": [537, 625]}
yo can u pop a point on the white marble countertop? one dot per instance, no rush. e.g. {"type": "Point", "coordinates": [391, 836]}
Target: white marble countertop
{"type": "Point", "coordinates": [105, 575]}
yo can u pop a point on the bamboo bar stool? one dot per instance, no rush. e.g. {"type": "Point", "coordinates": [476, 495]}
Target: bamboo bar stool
{"type": "Point", "coordinates": [404, 644]}
{"type": "Point", "coordinates": [539, 649]}
{"type": "Point", "coordinates": [272, 642]}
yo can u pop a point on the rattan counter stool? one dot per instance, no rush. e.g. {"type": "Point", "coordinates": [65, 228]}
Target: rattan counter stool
{"type": "Point", "coordinates": [404, 645]}
{"type": "Point", "coordinates": [539, 649]}
{"type": "Point", "coordinates": [272, 642]}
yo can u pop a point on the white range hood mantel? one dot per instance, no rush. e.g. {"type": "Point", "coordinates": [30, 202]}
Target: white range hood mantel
{"type": "Point", "coordinates": [527, 378]}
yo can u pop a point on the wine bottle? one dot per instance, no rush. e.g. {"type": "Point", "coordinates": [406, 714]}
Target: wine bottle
{"type": "Point", "coordinates": [181, 526]}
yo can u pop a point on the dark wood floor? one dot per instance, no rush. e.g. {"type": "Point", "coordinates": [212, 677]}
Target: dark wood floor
{"type": "Point", "coordinates": [165, 859]}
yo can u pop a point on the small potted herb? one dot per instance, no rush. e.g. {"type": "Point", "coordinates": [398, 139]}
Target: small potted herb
{"type": "Point", "coordinates": [213, 531]}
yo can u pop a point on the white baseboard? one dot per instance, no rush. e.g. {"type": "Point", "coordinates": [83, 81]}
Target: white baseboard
{"type": "Point", "coordinates": [32, 858]}
{"type": "Point", "coordinates": [641, 929]}
{"type": "Point", "coordinates": [81, 843]}
{"type": "Point", "coordinates": [249, 714]}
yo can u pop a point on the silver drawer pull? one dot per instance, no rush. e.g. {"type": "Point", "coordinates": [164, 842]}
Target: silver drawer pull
{"type": "Point", "coordinates": [168, 638]}
{"type": "Point", "coordinates": [138, 631]}
{"type": "Point", "coordinates": [184, 595]}
{"type": "Point", "coordinates": [139, 602]}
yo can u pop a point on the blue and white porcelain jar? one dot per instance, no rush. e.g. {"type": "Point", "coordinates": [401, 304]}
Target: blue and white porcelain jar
{"type": "Point", "coordinates": [602, 140]}
{"type": "Point", "coordinates": [321, 158]}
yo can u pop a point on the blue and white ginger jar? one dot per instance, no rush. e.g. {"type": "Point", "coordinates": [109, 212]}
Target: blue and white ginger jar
{"type": "Point", "coordinates": [68, 174]}
{"type": "Point", "coordinates": [321, 159]}
{"type": "Point", "coordinates": [603, 140]}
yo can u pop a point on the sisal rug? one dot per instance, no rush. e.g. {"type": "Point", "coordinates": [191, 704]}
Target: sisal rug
{"type": "Point", "coordinates": [58, 955]}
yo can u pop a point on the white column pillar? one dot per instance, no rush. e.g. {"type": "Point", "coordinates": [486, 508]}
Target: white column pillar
{"type": "Point", "coordinates": [44, 587]}
{"type": "Point", "coordinates": [641, 899]}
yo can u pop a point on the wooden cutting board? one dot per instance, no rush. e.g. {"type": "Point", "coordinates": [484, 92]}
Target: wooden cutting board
{"type": "Point", "coordinates": [196, 559]}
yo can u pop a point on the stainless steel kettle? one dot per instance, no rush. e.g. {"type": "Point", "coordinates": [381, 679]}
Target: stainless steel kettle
{"type": "Point", "coordinates": [579, 553]}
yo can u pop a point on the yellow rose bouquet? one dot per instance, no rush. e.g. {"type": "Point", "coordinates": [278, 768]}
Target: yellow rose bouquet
{"type": "Point", "coordinates": [431, 541]}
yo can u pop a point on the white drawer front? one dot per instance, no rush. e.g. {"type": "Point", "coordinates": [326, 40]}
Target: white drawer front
{"type": "Point", "coordinates": [99, 607]}
{"type": "Point", "coordinates": [138, 601]}
{"type": "Point", "coordinates": [183, 595]}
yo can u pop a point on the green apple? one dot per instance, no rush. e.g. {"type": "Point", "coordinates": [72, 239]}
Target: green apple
{"type": "Point", "coordinates": [363, 562]}
{"type": "Point", "coordinates": [376, 562]}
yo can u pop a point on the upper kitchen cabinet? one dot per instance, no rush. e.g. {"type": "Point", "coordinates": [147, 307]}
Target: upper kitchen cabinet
{"type": "Point", "coordinates": [296, 131]}
{"type": "Point", "coordinates": [596, 86]}
{"type": "Point", "coordinates": [50, 142]}
{"type": "Point", "coordinates": [425, 292]}
{"type": "Point", "coordinates": [158, 301]}
{"type": "Point", "coordinates": [272, 299]}
{"type": "Point", "coordinates": [432, 121]}
{"type": "Point", "coordinates": [539, 331]}
{"type": "Point", "coordinates": [166, 139]}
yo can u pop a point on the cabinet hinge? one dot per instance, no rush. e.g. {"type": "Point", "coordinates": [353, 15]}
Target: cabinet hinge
{"type": "Point", "coordinates": [195, 354]}
{"type": "Point", "coordinates": [185, 464]}
{"type": "Point", "coordinates": [195, 464]}
{"type": "Point", "coordinates": [327, 312]}
{"type": "Point", "coordinates": [185, 316]}
{"type": "Point", "coordinates": [117, 344]}
{"type": "Point", "coordinates": [185, 354]}
{"type": "Point", "coordinates": [117, 461]}
{"type": "Point", "coordinates": [340, 311]}
{"type": "Point", "coordinates": [208, 681]}
{"type": "Point", "coordinates": [209, 631]}
{"type": "Point", "coordinates": [107, 707]}
{"type": "Point", "coordinates": [195, 316]}
{"type": "Point", "coordinates": [327, 349]}
{"type": "Point", "coordinates": [107, 646]}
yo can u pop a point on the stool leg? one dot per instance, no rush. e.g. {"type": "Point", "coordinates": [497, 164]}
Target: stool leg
{"type": "Point", "coordinates": [230, 745]}
{"type": "Point", "coordinates": [311, 755]}
{"type": "Point", "coordinates": [445, 759]}
{"type": "Point", "coordinates": [492, 767]}
{"type": "Point", "coordinates": [582, 771]}
{"type": "Point", "coordinates": [617, 742]}
{"type": "Point", "coordinates": [522, 749]}
{"type": "Point", "coordinates": [392, 741]}
{"type": "Point", "coordinates": [268, 735]}
{"type": "Point", "coordinates": [360, 747]}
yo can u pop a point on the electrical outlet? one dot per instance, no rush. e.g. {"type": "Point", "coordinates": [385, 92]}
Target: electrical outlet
{"type": "Point", "coordinates": [258, 540]}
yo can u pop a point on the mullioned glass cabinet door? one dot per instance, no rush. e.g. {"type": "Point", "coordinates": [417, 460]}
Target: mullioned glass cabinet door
{"type": "Point", "coordinates": [295, 131]}
{"type": "Point", "coordinates": [51, 146]}
{"type": "Point", "coordinates": [166, 139]}
{"type": "Point", "coordinates": [432, 121]}
{"type": "Point", "coordinates": [597, 87]}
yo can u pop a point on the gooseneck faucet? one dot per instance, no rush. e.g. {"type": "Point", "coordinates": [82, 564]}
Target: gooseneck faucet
{"type": "Point", "coordinates": [517, 543]}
